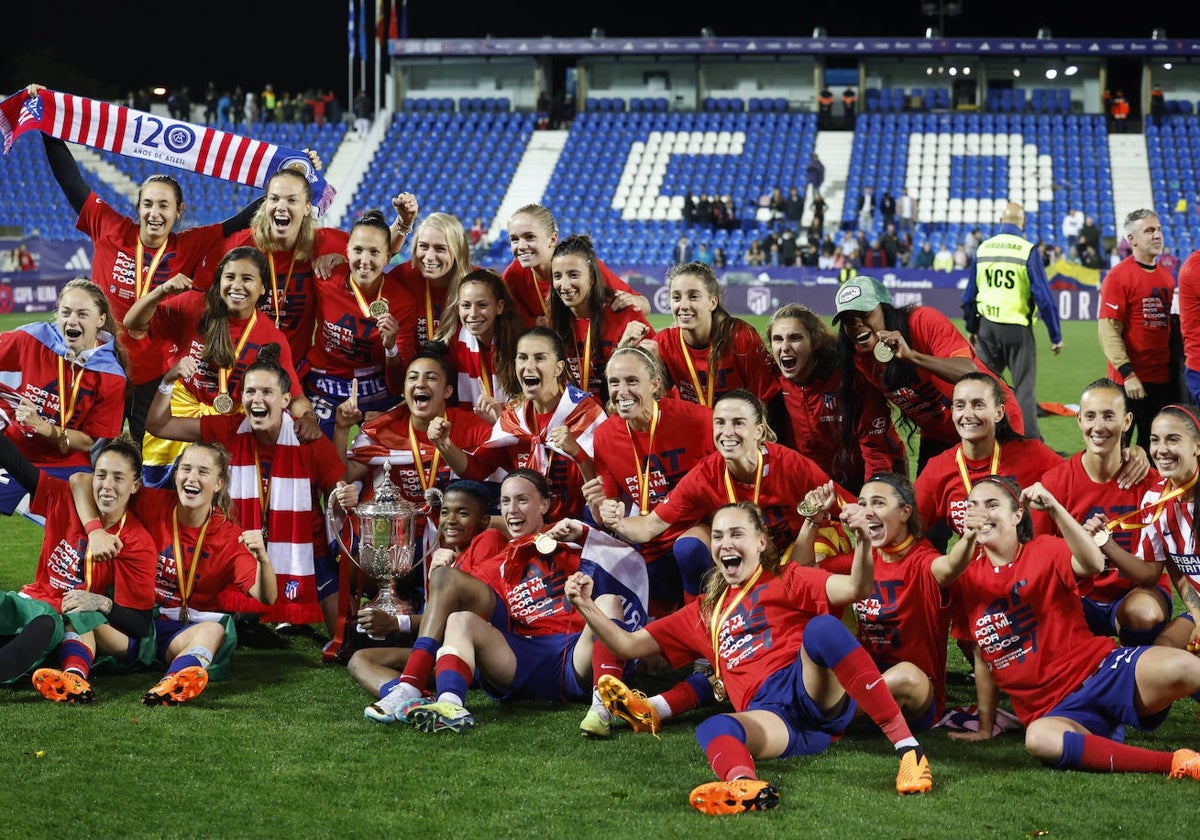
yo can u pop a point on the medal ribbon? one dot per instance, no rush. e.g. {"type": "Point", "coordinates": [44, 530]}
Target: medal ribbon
{"type": "Point", "coordinates": [277, 298]}
{"type": "Point", "coordinates": [87, 557]}
{"type": "Point", "coordinates": [66, 406]}
{"type": "Point", "coordinates": [430, 329]}
{"type": "Point", "coordinates": [962, 464]}
{"type": "Point", "coordinates": [539, 441]}
{"type": "Point", "coordinates": [643, 476]}
{"type": "Point", "coordinates": [585, 372]}
{"type": "Point", "coordinates": [899, 548]}
{"type": "Point", "coordinates": [758, 474]}
{"type": "Point", "coordinates": [1123, 522]}
{"type": "Point", "coordinates": [185, 590]}
{"type": "Point", "coordinates": [362, 302]}
{"type": "Point", "coordinates": [418, 462]}
{"type": "Point", "coordinates": [719, 617]}
{"type": "Point", "coordinates": [223, 373]}
{"type": "Point", "coordinates": [264, 488]}
{"type": "Point", "coordinates": [703, 396]}
{"type": "Point", "coordinates": [141, 283]}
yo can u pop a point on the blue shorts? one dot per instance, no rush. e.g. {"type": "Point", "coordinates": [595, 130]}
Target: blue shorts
{"type": "Point", "coordinates": [1104, 704]}
{"type": "Point", "coordinates": [810, 730]}
{"type": "Point", "coordinates": [327, 392]}
{"type": "Point", "coordinates": [544, 669]}
{"type": "Point", "coordinates": [1101, 618]}
{"type": "Point", "coordinates": [1192, 378]}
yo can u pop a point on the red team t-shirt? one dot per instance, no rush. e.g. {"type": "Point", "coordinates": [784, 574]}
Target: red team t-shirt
{"type": "Point", "coordinates": [99, 401]}
{"type": "Point", "coordinates": [613, 326]}
{"type": "Point", "coordinates": [906, 617]}
{"type": "Point", "coordinates": [180, 315]}
{"type": "Point", "coordinates": [760, 634]}
{"type": "Point", "coordinates": [114, 268]}
{"type": "Point", "coordinates": [1026, 619]}
{"type": "Point", "coordinates": [746, 364]}
{"type": "Point", "coordinates": [942, 493]}
{"type": "Point", "coordinates": [1141, 300]}
{"type": "Point", "coordinates": [294, 284]}
{"type": "Point", "coordinates": [225, 564]}
{"type": "Point", "coordinates": [1083, 499]}
{"type": "Point", "coordinates": [786, 477]}
{"type": "Point", "coordinates": [927, 402]}
{"type": "Point", "coordinates": [63, 564]}
{"type": "Point", "coordinates": [347, 343]}
{"type": "Point", "coordinates": [625, 459]}
{"type": "Point", "coordinates": [532, 295]}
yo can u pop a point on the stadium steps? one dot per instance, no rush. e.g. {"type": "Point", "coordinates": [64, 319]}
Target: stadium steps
{"type": "Point", "coordinates": [530, 179]}
{"type": "Point", "coordinates": [834, 148]}
{"type": "Point", "coordinates": [347, 170]}
{"type": "Point", "coordinates": [1131, 183]}
{"type": "Point", "coordinates": [93, 164]}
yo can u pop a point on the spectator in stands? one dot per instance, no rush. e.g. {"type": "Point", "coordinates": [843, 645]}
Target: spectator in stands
{"type": "Point", "coordinates": [849, 102]}
{"type": "Point", "coordinates": [866, 209]}
{"type": "Point", "coordinates": [904, 253]}
{"type": "Point", "coordinates": [787, 247]}
{"type": "Point", "coordinates": [683, 251]}
{"type": "Point", "coordinates": [1072, 224]}
{"type": "Point", "coordinates": [1091, 233]}
{"type": "Point", "coordinates": [875, 256]}
{"type": "Point", "coordinates": [961, 260]}
{"type": "Point", "coordinates": [225, 107]}
{"type": "Point", "coordinates": [23, 259]}
{"type": "Point", "coordinates": [704, 215]}
{"type": "Point", "coordinates": [825, 110]}
{"type": "Point", "coordinates": [1120, 111]}
{"type": "Point", "coordinates": [754, 256]}
{"type": "Point", "coordinates": [1089, 257]}
{"type": "Point", "coordinates": [269, 102]}
{"type": "Point", "coordinates": [971, 242]}
{"type": "Point", "coordinates": [850, 247]}
{"type": "Point", "coordinates": [704, 253]}
{"type": "Point", "coordinates": [810, 254]}
{"type": "Point", "coordinates": [287, 108]}
{"type": "Point", "coordinates": [925, 255]}
{"type": "Point", "coordinates": [1158, 106]}
{"type": "Point", "coordinates": [250, 108]}
{"type": "Point", "coordinates": [689, 208]}
{"type": "Point", "coordinates": [211, 100]}
{"type": "Point", "coordinates": [1166, 259]}
{"type": "Point", "coordinates": [814, 174]}
{"type": "Point", "coordinates": [817, 224]}
{"type": "Point", "coordinates": [793, 210]}
{"type": "Point", "coordinates": [887, 208]}
{"type": "Point", "coordinates": [906, 211]}
{"type": "Point", "coordinates": [777, 205]}
{"type": "Point", "coordinates": [890, 242]}
{"type": "Point", "coordinates": [364, 112]}
{"type": "Point", "coordinates": [943, 260]}
{"type": "Point", "coordinates": [720, 214]}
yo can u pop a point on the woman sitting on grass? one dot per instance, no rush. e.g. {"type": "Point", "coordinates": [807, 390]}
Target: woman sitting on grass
{"type": "Point", "coordinates": [203, 556]}
{"type": "Point", "coordinates": [1075, 692]}
{"type": "Point", "coordinates": [791, 669]}
{"type": "Point", "coordinates": [90, 607]}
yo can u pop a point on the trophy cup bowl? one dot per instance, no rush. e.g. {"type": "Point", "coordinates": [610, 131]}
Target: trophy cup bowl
{"type": "Point", "coordinates": [386, 540]}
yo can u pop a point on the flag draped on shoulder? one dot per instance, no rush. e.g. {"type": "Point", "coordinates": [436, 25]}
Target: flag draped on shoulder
{"type": "Point", "coordinates": [158, 139]}
{"type": "Point", "coordinates": [617, 569]}
{"type": "Point", "coordinates": [577, 410]}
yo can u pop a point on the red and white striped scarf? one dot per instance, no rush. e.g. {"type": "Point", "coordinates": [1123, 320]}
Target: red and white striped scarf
{"type": "Point", "coordinates": [161, 140]}
{"type": "Point", "coordinates": [289, 518]}
{"type": "Point", "coordinates": [581, 413]}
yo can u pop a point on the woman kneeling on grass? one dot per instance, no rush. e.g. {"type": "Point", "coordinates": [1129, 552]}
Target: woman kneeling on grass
{"type": "Point", "coordinates": [793, 672]}
{"type": "Point", "coordinates": [1075, 692]}
{"type": "Point", "coordinates": [203, 557]}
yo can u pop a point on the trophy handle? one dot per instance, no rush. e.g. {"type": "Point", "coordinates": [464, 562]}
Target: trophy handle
{"type": "Point", "coordinates": [336, 523]}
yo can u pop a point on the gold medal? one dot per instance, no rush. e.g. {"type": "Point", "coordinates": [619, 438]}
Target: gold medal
{"type": "Point", "coordinates": [883, 353]}
{"type": "Point", "coordinates": [718, 688]}
{"type": "Point", "coordinates": [183, 614]}
{"type": "Point", "coordinates": [545, 544]}
{"type": "Point", "coordinates": [378, 308]}
{"type": "Point", "coordinates": [807, 508]}
{"type": "Point", "coordinates": [1102, 537]}
{"type": "Point", "coordinates": [223, 403]}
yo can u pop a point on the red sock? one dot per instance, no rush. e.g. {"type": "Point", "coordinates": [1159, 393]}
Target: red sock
{"type": "Point", "coordinates": [418, 668]}
{"type": "Point", "coordinates": [453, 675]}
{"type": "Point", "coordinates": [604, 661]}
{"type": "Point", "coordinates": [730, 758]}
{"type": "Point", "coordinates": [682, 696]}
{"type": "Point", "coordinates": [860, 676]}
{"type": "Point", "coordinates": [1107, 756]}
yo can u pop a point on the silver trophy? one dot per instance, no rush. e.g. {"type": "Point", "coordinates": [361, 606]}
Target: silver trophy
{"type": "Point", "coordinates": [387, 545]}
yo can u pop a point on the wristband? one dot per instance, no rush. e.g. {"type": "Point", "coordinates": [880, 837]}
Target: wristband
{"type": "Point", "coordinates": [166, 388]}
{"type": "Point", "coordinates": [1126, 370]}
{"type": "Point", "coordinates": [391, 352]}
{"type": "Point", "coordinates": [93, 525]}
